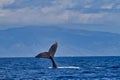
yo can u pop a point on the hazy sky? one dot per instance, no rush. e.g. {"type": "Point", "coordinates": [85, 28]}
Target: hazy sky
{"type": "Point", "coordinates": [103, 15]}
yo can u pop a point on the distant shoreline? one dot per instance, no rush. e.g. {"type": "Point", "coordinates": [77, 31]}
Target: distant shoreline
{"type": "Point", "coordinates": [63, 56]}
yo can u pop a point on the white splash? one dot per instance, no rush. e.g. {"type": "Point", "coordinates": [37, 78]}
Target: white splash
{"type": "Point", "coordinates": [67, 67]}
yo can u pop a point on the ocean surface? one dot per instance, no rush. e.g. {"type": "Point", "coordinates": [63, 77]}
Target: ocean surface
{"type": "Point", "coordinates": [69, 68]}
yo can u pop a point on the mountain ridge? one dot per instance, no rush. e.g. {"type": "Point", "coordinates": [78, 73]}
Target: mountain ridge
{"type": "Point", "coordinates": [32, 40]}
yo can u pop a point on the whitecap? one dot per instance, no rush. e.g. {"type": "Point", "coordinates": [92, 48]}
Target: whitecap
{"type": "Point", "coordinates": [99, 67]}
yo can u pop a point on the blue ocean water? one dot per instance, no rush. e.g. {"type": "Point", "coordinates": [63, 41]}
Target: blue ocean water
{"type": "Point", "coordinates": [70, 68]}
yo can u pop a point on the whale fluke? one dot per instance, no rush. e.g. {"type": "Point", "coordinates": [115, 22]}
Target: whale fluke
{"type": "Point", "coordinates": [50, 54]}
{"type": "Point", "coordinates": [43, 55]}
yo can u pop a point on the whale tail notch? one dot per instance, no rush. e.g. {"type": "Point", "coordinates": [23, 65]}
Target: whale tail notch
{"type": "Point", "coordinates": [50, 54]}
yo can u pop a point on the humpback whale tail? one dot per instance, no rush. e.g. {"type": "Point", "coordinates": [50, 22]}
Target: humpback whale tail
{"type": "Point", "coordinates": [50, 54]}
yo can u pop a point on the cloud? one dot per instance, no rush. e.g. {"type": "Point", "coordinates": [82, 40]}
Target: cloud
{"type": "Point", "coordinates": [43, 16]}
{"type": "Point", "coordinates": [58, 12]}
{"type": "Point", "coordinates": [107, 6]}
{"type": "Point", "coordinates": [5, 2]}
{"type": "Point", "coordinates": [34, 16]}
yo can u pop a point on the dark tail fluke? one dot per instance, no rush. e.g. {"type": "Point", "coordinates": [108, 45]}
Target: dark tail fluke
{"type": "Point", "coordinates": [50, 54]}
{"type": "Point", "coordinates": [43, 55]}
{"type": "Point", "coordinates": [53, 49]}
